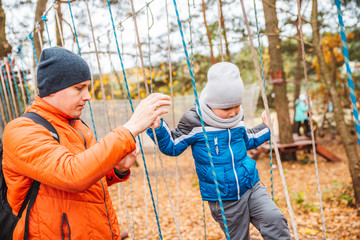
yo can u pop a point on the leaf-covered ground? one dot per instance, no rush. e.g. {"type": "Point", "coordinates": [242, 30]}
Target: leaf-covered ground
{"type": "Point", "coordinates": [137, 215]}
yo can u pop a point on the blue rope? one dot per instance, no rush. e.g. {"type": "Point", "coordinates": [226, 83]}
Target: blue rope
{"type": "Point", "coordinates": [15, 83]}
{"type": "Point", "coordinates": [4, 103]}
{"type": "Point", "coordinates": [76, 36]}
{"type": "Point", "coordinates": [9, 92]}
{"type": "Point", "coordinates": [191, 41]}
{"type": "Point", "coordinates": [202, 122]}
{"type": "Point", "coordinates": [203, 207]}
{"type": "Point", "coordinates": [77, 41]}
{"type": "Point", "coordinates": [24, 74]}
{"type": "Point", "coordinates": [46, 26]}
{"type": "Point", "coordinates": [32, 42]}
{"type": "Point", "coordinates": [350, 81]}
{"type": "Point", "coordinates": [132, 109]}
{"type": "Point", "coordinates": [2, 123]}
{"type": "Point", "coordinates": [263, 78]}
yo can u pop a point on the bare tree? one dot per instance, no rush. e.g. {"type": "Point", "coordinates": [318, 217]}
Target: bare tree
{"type": "Point", "coordinates": [347, 139]}
{"type": "Point", "coordinates": [213, 60]}
{"type": "Point", "coordinates": [40, 9]}
{"type": "Point", "coordinates": [5, 47]}
{"type": "Point", "coordinates": [276, 65]}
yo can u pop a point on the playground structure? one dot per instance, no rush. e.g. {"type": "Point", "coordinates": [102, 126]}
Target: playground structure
{"type": "Point", "coordinates": [106, 114]}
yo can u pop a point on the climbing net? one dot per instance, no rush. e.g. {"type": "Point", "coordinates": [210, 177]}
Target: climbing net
{"type": "Point", "coordinates": [104, 114]}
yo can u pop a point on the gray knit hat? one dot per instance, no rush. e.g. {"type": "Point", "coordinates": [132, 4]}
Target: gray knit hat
{"type": "Point", "coordinates": [225, 88]}
{"type": "Point", "coordinates": [59, 69]}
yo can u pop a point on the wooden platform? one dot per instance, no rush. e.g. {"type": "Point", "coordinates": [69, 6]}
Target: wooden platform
{"type": "Point", "coordinates": [300, 143]}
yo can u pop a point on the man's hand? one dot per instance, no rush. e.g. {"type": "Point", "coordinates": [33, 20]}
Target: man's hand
{"type": "Point", "coordinates": [146, 112]}
{"type": "Point", "coordinates": [127, 162]}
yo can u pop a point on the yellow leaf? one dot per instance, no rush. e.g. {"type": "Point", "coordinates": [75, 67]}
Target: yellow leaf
{"type": "Point", "coordinates": [309, 231]}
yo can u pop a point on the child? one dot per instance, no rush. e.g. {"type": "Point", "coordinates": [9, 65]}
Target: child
{"type": "Point", "coordinates": [301, 116]}
{"type": "Point", "coordinates": [244, 198]}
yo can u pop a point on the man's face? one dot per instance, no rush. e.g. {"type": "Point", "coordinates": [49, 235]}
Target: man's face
{"type": "Point", "coordinates": [72, 100]}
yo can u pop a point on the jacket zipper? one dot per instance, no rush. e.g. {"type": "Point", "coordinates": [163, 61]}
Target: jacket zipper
{"type": "Point", "coordinates": [107, 212]}
{"type": "Point", "coordinates": [216, 145]}
{"type": "Point", "coordinates": [233, 162]}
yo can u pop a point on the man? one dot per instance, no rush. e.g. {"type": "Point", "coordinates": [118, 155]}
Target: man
{"type": "Point", "coordinates": [73, 201]}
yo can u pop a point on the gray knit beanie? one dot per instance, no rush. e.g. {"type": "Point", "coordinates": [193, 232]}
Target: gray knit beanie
{"type": "Point", "coordinates": [58, 69]}
{"type": "Point", "coordinates": [225, 88]}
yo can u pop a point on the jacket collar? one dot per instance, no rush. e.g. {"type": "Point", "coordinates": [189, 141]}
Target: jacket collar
{"type": "Point", "coordinates": [40, 104]}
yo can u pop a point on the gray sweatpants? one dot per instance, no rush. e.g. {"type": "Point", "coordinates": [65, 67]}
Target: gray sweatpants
{"type": "Point", "coordinates": [257, 207]}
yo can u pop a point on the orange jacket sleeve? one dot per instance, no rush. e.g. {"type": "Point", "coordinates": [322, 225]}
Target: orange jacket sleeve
{"type": "Point", "coordinates": [35, 154]}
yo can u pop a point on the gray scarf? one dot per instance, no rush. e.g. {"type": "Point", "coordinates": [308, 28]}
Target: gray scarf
{"type": "Point", "coordinates": [211, 119]}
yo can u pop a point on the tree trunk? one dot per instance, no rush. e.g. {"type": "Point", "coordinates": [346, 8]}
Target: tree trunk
{"type": "Point", "coordinates": [40, 9]}
{"type": "Point", "coordinates": [224, 33]}
{"type": "Point", "coordinates": [299, 69]}
{"type": "Point", "coordinates": [58, 35]}
{"type": "Point", "coordinates": [347, 139]}
{"type": "Point", "coordinates": [213, 60]}
{"type": "Point", "coordinates": [276, 65]}
{"type": "Point", "coordinates": [5, 47]}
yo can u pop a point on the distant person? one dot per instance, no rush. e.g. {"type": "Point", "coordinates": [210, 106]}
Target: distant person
{"type": "Point", "coordinates": [301, 117]}
{"type": "Point", "coordinates": [244, 197]}
{"type": "Point", "coordinates": [73, 201]}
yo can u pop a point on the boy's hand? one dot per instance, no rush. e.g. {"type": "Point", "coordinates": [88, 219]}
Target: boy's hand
{"type": "Point", "coordinates": [157, 123]}
{"type": "Point", "coordinates": [265, 119]}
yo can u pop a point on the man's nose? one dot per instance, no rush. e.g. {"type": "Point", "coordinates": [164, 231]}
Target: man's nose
{"type": "Point", "coordinates": [87, 96]}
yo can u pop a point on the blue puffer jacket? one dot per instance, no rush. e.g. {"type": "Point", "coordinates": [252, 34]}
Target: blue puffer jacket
{"type": "Point", "coordinates": [235, 171]}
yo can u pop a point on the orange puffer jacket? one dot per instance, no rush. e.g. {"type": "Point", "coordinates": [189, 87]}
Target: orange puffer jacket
{"type": "Point", "coordinates": [73, 200]}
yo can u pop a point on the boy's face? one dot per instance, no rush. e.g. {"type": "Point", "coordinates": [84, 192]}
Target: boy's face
{"type": "Point", "coordinates": [72, 100]}
{"type": "Point", "coordinates": [226, 113]}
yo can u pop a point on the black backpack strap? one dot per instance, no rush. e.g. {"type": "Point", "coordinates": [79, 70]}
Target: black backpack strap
{"type": "Point", "coordinates": [33, 191]}
{"type": "Point", "coordinates": [42, 121]}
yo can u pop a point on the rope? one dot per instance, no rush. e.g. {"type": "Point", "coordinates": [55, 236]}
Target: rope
{"type": "Point", "coordinates": [23, 94]}
{"type": "Point", "coordinates": [34, 51]}
{"type": "Point", "coordinates": [192, 65]}
{"type": "Point", "coordinates": [132, 109]}
{"type": "Point", "coordinates": [98, 62]}
{"type": "Point", "coordinates": [126, 210]}
{"type": "Point", "coordinates": [350, 81]}
{"type": "Point", "coordinates": [15, 83]}
{"type": "Point", "coordinates": [12, 89]}
{"type": "Point", "coordinates": [10, 96]}
{"type": "Point", "coordinates": [37, 29]}
{"type": "Point", "coordinates": [173, 111]}
{"type": "Point", "coordinates": [46, 26]}
{"type": "Point", "coordinates": [310, 115]}
{"type": "Point", "coordinates": [132, 208]}
{"type": "Point", "coordinates": [263, 79]}
{"type": "Point", "coordinates": [151, 90]}
{"type": "Point", "coordinates": [220, 30]}
{"type": "Point", "coordinates": [191, 41]}
{"type": "Point", "coordinates": [58, 23]}
{"type": "Point", "coordinates": [202, 122]}
{"type": "Point", "coordinates": [153, 130]}
{"type": "Point", "coordinates": [271, 127]}
{"type": "Point", "coordinates": [3, 93]}
{"type": "Point", "coordinates": [77, 41]}
{"type": "Point", "coordinates": [24, 74]}
{"type": "Point", "coordinates": [203, 208]}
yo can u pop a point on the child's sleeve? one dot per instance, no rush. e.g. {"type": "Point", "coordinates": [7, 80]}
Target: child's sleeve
{"type": "Point", "coordinates": [171, 143]}
{"type": "Point", "coordinates": [256, 136]}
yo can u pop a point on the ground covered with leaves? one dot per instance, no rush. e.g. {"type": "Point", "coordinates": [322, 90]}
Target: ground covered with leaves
{"type": "Point", "coordinates": [136, 212]}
